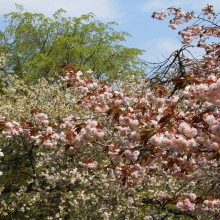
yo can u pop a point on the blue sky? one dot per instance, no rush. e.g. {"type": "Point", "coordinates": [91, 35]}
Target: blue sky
{"type": "Point", "coordinates": [132, 16]}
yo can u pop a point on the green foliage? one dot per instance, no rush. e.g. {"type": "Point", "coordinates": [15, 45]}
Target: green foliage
{"type": "Point", "coordinates": [37, 46]}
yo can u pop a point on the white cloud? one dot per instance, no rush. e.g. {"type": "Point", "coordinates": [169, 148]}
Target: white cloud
{"type": "Point", "coordinates": [155, 5]}
{"type": "Point", "coordinates": [160, 48]}
{"type": "Point", "coordinates": [103, 9]}
{"type": "Point", "coordinates": [166, 45]}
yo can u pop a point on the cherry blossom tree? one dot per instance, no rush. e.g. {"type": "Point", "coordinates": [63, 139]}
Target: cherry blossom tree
{"type": "Point", "coordinates": [139, 149]}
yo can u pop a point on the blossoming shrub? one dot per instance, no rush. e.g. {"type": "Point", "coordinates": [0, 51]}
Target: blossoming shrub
{"type": "Point", "coordinates": [19, 100]}
{"type": "Point", "coordinates": [134, 150]}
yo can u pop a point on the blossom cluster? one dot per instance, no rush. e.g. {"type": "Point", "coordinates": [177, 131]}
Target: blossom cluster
{"type": "Point", "coordinates": [2, 59]}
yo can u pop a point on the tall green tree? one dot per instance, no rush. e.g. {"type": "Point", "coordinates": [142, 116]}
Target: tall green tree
{"type": "Point", "coordinates": [37, 46]}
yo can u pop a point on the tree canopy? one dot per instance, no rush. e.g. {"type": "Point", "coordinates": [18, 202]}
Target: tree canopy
{"type": "Point", "coordinates": [81, 148]}
{"type": "Point", "coordinates": [37, 46]}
